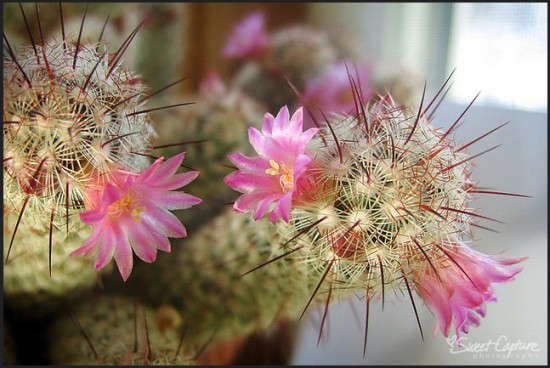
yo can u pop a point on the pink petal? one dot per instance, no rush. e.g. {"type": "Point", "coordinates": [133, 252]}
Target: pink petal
{"type": "Point", "coordinates": [107, 248]}
{"type": "Point", "coordinates": [124, 257]}
{"type": "Point", "coordinates": [301, 165]}
{"type": "Point", "coordinates": [249, 164]}
{"type": "Point", "coordinates": [90, 244]}
{"type": "Point", "coordinates": [171, 200]}
{"type": "Point", "coordinates": [161, 240]}
{"type": "Point", "coordinates": [247, 183]}
{"type": "Point", "coordinates": [304, 139]}
{"type": "Point", "coordinates": [438, 302]}
{"type": "Point", "coordinates": [257, 141]}
{"type": "Point", "coordinates": [160, 170]}
{"type": "Point", "coordinates": [268, 147]}
{"type": "Point", "coordinates": [247, 202]}
{"type": "Point", "coordinates": [296, 123]}
{"type": "Point", "coordinates": [280, 125]}
{"type": "Point", "coordinates": [143, 244]}
{"type": "Point", "coordinates": [165, 222]}
{"type": "Point", "coordinates": [267, 127]}
{"type": "Point", "coordinates": [283, 207]}
{"type": "Point", "coordinates": [93, 216]}
{"type": "Point", "coordinates": [177, 181]}
{"type": "Point", "coordinates": [263, 206]}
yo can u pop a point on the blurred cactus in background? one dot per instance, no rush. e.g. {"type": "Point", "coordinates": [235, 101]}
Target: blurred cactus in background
{"type": "Point", "coordinates": [113, 330]}
{"type": "Point", "coordinates": [295, 54]}
{"type": "Point", "coordinates": [215, 124]}
{"type": "Point", "coordinates": [303, 66]}
{"type": "Point", "coordinates": [204, 279]}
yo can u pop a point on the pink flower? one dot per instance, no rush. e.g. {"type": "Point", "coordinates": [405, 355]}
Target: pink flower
{"type": "Point", "coordinates": [332, 91]}
{"type": "Point", "coordinates": [132, 212]}
{"type": "Point", "coordinates": [212, 85]}
{"type": "Point", "coordinates": [272, 177]}
{"type": "Point", "coordinates": [459, 294]}
{"type": "Point", "coordinates": [248, 39]}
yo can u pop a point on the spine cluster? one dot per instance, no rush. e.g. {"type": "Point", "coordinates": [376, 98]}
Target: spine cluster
{"type": "Point", "coordinates": [70, 112]}
{"type": "Point", "coordinates": [387, 194]}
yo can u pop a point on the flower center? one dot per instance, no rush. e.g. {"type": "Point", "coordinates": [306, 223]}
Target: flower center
{"type": "Point", "coordinates": [286, 174]}
{"type": "Point", "coordinates": [127, 204]}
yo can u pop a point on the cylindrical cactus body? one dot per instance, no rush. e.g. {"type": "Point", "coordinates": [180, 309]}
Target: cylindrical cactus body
{"type": "Point", "coordinates": [33, 286]}
{"type": "Point", "coordinates": [115, 330]}
{"type": "Point", "coordinates": [205, 279]}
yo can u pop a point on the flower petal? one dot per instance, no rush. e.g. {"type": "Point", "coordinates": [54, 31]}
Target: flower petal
{"type": "Point", "coordinates": [143, 244]}
{"type": "Point", "coordinates": [267, 127]}
{"type": "Point", "coordinates": [283, 207]}
{"type": "Point", "coordinates": [263, 206]}
{"type": "Point", "coordinates": [248, 183]}
{"type": "Point", "coordinates": [90, 244]}
{"type": "Point", "coordinates": [162, 242]}
{"type": "Point", "coordinates": [164, 221]}
{"type": "Point", "coordinates": [281, 127]}
{"type": "Point", "coordinates": [295, 126]}
{"type": "Point", "coordinates": [106, 249]}
{"type": "Point", "coordinates": [172, 200]}
{"type": "Point", "coordinates": [177, 181]}
{"type": "Point", "coordinates": [161, 169]}
{"type": "Point", "coordinates": [124, 257]}
{"type": "Point", "coordinates": [249, 164]}
{"type": "Point", "coordinates": [247, 202]}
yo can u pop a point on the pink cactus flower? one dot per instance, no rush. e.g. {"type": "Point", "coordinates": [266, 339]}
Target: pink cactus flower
{"type": "Point", "coordinates": [457, 294]}
{"type": "Point", "coordinates": [132, 212]}
{"type": "Point", "coordinates": [271, 178]}
{"type": "Point", "coordinates": [331, 92]}
{"type": "Point", "coordinates": [212, 85]}
{"type": "Point", "coordinates": [248, 39]}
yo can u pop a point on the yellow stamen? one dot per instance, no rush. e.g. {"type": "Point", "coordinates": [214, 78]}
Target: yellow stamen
{"type": "Point", "coordinates": [127, 204]}
{"type": "Point", "coordinates": [274, 170]}
{"type": "Point", "coordinates": [286, 179]}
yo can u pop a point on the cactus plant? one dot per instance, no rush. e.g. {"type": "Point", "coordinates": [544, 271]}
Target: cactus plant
{"type": "Point", "coordinates": [267, 60]}
{"type": "Point", "coordinates": [214, 125]}
{"type": "Point", "coordinates": [205, 279]}
{"type": "Point", "coordinates": [113, 330]}
{"type": "Point", "coordinates": [69, 113]}
{"type": "Point", "coordinates": [380, 200]}
{"type": "Point", "coordinates": [76, 137]}
{"type": "Point", "coordinates": [38, 283]}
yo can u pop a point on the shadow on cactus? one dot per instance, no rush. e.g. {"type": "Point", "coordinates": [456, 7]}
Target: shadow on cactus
{"type": "Point", "coordinates": [118, 330]}
{"type": "Point", "coordinates": [374, 201]}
